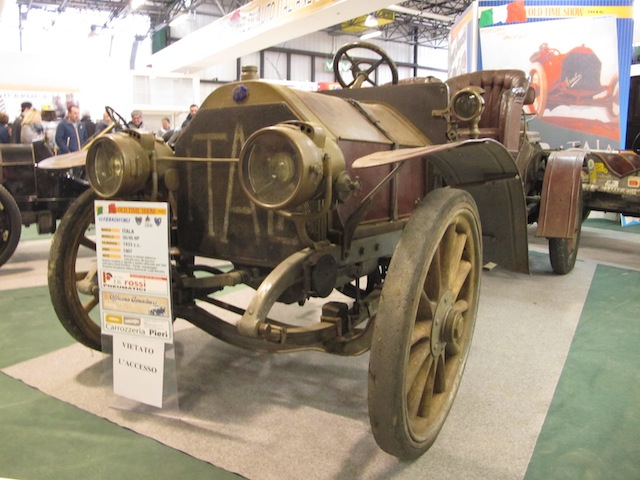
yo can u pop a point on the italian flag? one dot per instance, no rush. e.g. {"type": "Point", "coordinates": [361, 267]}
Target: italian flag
{"type": "Point", "coordinates": [513, 12]}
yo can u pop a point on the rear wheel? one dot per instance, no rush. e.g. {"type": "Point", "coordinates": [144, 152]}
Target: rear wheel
{"type": "Point", "coordinates": [73, 274]}
{"type": "Point", "coordinates": [425, 321]}
{"type": "Point", "coordinates": [564, 251]}
{"type": "Point", "coordinates": [10, 225]}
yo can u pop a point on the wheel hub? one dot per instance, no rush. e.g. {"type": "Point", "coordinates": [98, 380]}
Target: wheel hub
{"type": "Point", "coordinates": [446, 324]}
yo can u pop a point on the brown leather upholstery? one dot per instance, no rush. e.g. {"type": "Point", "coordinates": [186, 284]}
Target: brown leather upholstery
{"type": "Point", "coordinates": [505, 94]}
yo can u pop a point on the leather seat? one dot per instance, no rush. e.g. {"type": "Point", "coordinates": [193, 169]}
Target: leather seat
{"type": "Point", "coordinates": [505, 92]}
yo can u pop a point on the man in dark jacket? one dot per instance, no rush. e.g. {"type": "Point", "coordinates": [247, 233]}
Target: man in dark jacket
{"type": "Point", "coordinates": [70, 134]}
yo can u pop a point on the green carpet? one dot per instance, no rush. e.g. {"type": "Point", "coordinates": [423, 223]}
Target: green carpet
{"type": "Point", "coordinates": [592, 428]}
{"type": "Point", "coordinates": [26, 333]}
{"type": "Point", "coordinates": [44, 438]}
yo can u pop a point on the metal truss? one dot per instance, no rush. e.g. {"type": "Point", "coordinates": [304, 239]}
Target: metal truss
{"type": "Point", "coordinates": [417, 22]}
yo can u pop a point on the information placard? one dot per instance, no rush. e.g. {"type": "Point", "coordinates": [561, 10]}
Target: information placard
{"type": "Point", "coordinates": [132, 244]}
{"type": "Point", "coordinates": [133, 266]}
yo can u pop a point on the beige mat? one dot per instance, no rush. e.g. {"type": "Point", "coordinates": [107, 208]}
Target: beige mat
{"type": "Point", "coordinates": [304, 415]}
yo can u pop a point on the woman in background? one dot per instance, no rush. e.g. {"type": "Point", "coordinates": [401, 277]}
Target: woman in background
{"type": "Point", "coordinates": [32, 129]}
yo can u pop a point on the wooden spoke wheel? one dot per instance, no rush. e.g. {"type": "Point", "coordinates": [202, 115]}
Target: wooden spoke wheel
{"type": "Point", "coordinates": [539, 84]}
{"type": "Point", "coordinates": [73, 277]}
{"type": "Point", "coordinates": [425, 321]}
{"type": "Point", "coordinates": [10, 225]}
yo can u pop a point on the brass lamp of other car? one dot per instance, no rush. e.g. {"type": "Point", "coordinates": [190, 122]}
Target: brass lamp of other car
{"type": "Point", "coordinates": [467, 106]}
{"type": "Point", "coordinates": [118, 165]}
{"type": "Point", "coordinates": [282, 166]}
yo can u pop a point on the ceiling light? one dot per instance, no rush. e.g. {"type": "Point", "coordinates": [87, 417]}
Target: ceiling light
{"type": "Point", "coordinates": [375, 33]}
{"type": "Point", "coordinates": [371, 21]}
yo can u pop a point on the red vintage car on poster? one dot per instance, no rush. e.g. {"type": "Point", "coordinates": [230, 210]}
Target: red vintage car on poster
{"type": "Point", "coordinates": [573, 79]}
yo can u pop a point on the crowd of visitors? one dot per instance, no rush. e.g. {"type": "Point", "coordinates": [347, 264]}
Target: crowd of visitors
{"type": "Point", "coordinates": [72, 132]}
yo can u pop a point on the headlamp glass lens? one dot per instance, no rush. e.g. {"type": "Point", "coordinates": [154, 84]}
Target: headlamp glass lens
{"type": "Point", "coordinates": [108, 168]}
{"type": "Point", "coordinates": [273, 169]}
{"type": "Point", "coordinates": [466, 105]}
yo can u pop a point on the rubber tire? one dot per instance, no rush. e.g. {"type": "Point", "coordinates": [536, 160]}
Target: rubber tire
{"type": "Point", "coordinates": [62, 275]}
{"type": "Point", "coordinates": [10, 225]}
{"type": "Point", "coordinates": [564, 251]}
{"type": "Point", "coordinates": [426, 236]}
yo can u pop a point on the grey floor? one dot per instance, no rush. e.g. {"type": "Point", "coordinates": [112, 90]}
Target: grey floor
{"type": "Point", "coordinates": [304, 415]}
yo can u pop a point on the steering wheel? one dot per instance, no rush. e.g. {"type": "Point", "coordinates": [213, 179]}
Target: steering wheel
{"type": "Point", "coordinates": [116, 117]}
{"type": "Point", "coordinates": [362, 68]}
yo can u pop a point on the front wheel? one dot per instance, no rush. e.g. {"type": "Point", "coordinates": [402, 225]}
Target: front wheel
{"type": "Point", "coordinates": [73, 273]}
{"type": "Point", "coordinates": [10, 225]}
{"type": "Point", "coordinates": [425, 321]}
{"type": "Point", "coordinates": [538, 81]}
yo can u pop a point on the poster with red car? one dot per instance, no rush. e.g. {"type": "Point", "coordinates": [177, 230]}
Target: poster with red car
{"type": "Point", "coordinates": [573, 68]}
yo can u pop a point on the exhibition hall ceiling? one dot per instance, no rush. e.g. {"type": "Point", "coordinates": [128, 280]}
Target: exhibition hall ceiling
{"type": "Point", "coordinates": [424, 22]}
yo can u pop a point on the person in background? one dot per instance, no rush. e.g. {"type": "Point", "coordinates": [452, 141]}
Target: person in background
{"type": "Point", "coordinates": [50, 123]}
{"type": "Point", "coordinates": [5, 136]}
{"type": "Point", "coordinates": [89, 124]}
{"type": "Point", "coordinates": [166, 126]}
{"type": "Point", "coordinates": [31, 129]}
{"type": "Point", "coordinates": [104, 123]}
{"type": "Point", "coordinates": [136, 120]}
{"type": "Point", "coordinates": [193, 109]}
{"type": "Point", "coordinates": [17, 123]}
{"type": "Point", "coordinates": [70, 134]}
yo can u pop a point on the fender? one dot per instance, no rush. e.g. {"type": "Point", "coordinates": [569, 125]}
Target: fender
{"type": "Point", "coordinates": [561, 194]}
{"type": "Point", "coordinates": [486, 169]}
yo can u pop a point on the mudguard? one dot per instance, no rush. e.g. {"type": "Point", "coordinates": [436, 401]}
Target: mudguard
{"type": "Point", "coordinates": [488, 172]}
{"type": "Point", "coordinates": [561, 194]}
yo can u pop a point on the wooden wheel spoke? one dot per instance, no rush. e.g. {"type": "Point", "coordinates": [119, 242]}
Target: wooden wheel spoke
{"type": "Point", "coordinates": [440, 381]}
{"type": "Point", "coordinates": [80, 275]}
{"type": "Point", "coordinates": [90, 304]}
{"type": "Point", "coordinates": [417, 360]}
{"type": "Point", "coordinates": [88, 243]}
{"type": "Point", "coordinates": [452, 246]}
{"type": "Point", "coordinates": [426, 308]}
{"type": "Point", "coordinates": [461, 306]}
{"type": "Point", "coordinates": [460, 277]}
{"type": "Point", "coordinates": [433, 282]}
{"type": "Point", "coordinates": [421, 331]}
{"type": "Point", "coordinates": [421, 389]}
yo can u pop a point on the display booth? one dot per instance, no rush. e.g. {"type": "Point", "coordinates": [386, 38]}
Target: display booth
{"type": "Point", "coordinates": [577, 55]}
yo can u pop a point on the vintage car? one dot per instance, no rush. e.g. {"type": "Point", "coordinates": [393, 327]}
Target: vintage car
{"type": "Point", "coordinates": [37, 187]}
{"type": "Point", "coordinates": [611, 182]}
{"type": "Point", "coordinates": [394, 195]}
{"type": "Point", "coordinates": [571, 78]}
{"type": "Point", "coordinates": [33, 195]}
